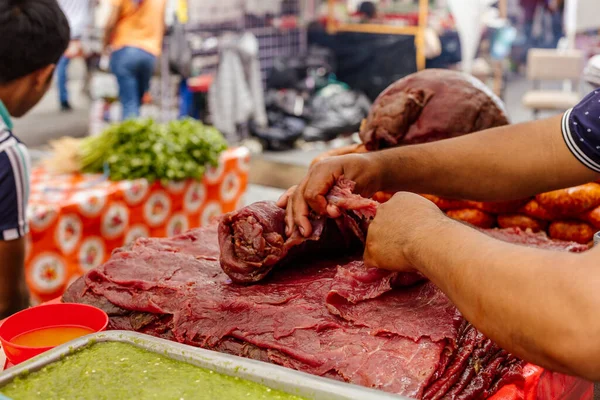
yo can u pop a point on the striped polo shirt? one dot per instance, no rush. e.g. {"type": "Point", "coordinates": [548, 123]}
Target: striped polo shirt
{"type": "Point", "coordinates": [581, 130]}
{"type": "Point", "coordinates": [15, 166]}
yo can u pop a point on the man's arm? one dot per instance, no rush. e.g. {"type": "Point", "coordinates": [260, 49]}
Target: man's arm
{"type": "Point", "coordinates": [540, 305]}
{"type": "Point", "coordinates": [14, 295]}
{"type": "Point", "coordinates": [504, 163]}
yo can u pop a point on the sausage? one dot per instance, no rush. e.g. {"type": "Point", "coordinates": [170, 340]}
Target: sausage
{"type": "Point", "coordinates": [592, 217]}
{"type": "Point", "coordinates": [571, 202]}
{"type": "Point", "coordinates": [521, 221]}
{"type": "Point", "coordinates": [445, 204]}
{"type": "Point", "coordinates": [533, 209]}
{"type": "Point", "coordinates": [382, 197]}
{"type": "Point", "coordinates": [499, 207]}
{"type": "Point", "coordinates": [474, 217]}
{"type": "Point", "coordinates": [572, 231]}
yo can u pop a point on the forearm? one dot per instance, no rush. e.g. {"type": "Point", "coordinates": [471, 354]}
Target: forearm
{"type": "Point", "coordinates": [540, 305]}
{"type": "Point", "coordinates": [504, 163]}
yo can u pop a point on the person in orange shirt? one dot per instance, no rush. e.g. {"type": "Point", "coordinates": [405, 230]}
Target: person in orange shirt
{"type": "Point", "coordinates": [134, 34]}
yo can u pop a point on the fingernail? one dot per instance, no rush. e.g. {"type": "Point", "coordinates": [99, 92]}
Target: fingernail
{"type": "Point", "coordinates": [301, 230]}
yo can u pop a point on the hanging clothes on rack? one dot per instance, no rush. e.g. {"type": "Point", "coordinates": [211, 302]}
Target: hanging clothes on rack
{"type": "Point", "coordinates": [263, 7]}
{"type": "Point", "coordinates": [236, 95]}
{"type": "Point", "coordinates": [214, 12]}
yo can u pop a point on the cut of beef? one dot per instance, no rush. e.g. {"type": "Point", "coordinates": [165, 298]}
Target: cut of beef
{"type": "Point", "coordinates": [284, 320]}
{"type": "Point", "coordinates": [331, 318]}
{"type": "Point", "coordinates": [253, 240]}
{"type": "Point", "coordinates": [415, 312]}
{"type": "Point", "coordinates": [355, 283]}
{"type": "Point", "coordinates": [430, 105]}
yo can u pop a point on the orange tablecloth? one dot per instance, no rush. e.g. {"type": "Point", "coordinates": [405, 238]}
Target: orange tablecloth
{"type": "Point", "coordinates": [77, 220]}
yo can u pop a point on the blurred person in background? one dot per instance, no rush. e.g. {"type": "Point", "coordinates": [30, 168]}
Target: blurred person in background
{"type": "Point", "coordinates": [367, 11]}
{"type": "Point", "coordinates": [557, 10]}
{"type": "Point", "coordinates": [78, 14]}
{"type": "Point", "coordinates": [134, 34]}
{"type": "Point", "coordinates": [529, 9]}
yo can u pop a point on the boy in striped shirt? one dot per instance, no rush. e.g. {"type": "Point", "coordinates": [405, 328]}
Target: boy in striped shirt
{"type": "Point", "coordinates": [35, 33]}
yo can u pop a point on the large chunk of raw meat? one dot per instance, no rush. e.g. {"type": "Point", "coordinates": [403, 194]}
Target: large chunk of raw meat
{"type": "Point", "coordinates": [329, 317]}
{"type": "Point", "coordinates": [183, 298]}
{"type": "Point", "coordinates": [253, 240]}
{"type": "Point", "coordinates": [430, 105]}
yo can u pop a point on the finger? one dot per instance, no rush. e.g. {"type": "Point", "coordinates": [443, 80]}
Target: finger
{"type": "Point", "coordinates": [333, 211]}
{"type": "Point", "coordinates": [317, 187]}
{"type": "Point", "coordinates": [283, 200]}
{"type": "Point", "coordinates": [368, 258]}
{"type": "Point", "coordinates": [289, 218]}
{"type": "Point", "coordinates": [301, 211]}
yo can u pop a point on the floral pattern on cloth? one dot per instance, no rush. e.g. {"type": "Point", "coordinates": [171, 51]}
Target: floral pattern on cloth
{"type": "Point", "coordinates": [77, 220]}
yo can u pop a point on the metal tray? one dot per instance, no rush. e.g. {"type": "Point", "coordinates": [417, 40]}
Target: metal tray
{"type": "Point", "coordinates": [284, 379]}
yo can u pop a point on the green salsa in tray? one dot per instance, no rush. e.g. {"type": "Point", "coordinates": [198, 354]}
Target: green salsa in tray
{"type": "Point", "coordinates": [122, 371]}
{"type": "Point", "coordinates": [128, 365]}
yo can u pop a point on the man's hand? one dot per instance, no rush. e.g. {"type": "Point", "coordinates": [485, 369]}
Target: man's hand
{"type": "Point", "coordinates": [395, 229]}
{"type": "Point", "coordinates": [310, 194]}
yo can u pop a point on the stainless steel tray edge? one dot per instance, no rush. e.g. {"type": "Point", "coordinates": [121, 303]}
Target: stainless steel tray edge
{"type": "Point", "coordinates": [276, 377]}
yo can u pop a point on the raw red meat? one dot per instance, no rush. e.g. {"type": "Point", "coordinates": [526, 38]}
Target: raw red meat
{"type": "Point", "coordinates": [342, 195]}
{"type": "Point", "coordinates": [430, 105]}
{"type": "Point", "coordinates": [175, 289]}
{"type": "Point", "coordinates": [355, 283]}
{"type": "Point", "coordinates": [191, 301]}
{"type": "Point", "coordinates": [331, 318]}
{"type": "Point", "coordinates": [415, 312]}
{"type": "Point", "coordinates": [253, 240]}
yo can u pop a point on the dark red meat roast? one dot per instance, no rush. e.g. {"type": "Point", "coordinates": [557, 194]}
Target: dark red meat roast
{"type": "Point", "coordinates": [331, 317]}
{"type": "Point", "coordinates": [430, 105]}
{"type": "Point", "coordinates": [253, 240]}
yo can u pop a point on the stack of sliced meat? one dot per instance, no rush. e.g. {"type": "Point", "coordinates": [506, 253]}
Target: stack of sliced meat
{"type": "Point", "coordinates": [326, 315]}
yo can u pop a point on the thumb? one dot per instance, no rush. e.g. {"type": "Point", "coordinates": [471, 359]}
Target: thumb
{"type": "Point", "coordinates": [369, 257]}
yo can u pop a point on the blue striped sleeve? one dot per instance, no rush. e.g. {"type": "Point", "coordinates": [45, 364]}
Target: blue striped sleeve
{"type": "Point", "coordinates": [581, 131]}
{"type": "Point", "coordinates": [14, 188]}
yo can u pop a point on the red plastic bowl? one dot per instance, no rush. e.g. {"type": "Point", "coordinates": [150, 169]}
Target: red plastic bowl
{"type": "Point", "coordinates": [47, 316]}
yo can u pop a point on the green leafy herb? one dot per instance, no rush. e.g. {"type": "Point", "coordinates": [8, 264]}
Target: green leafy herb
{"type": "Point", "coordinates": [144, 149]}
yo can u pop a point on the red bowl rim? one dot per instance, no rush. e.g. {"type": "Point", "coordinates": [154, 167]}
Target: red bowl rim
{"type": "Point", "coordinates": [57, 305]}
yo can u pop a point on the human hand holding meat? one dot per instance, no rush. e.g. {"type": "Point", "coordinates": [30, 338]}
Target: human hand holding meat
{"type": "Point", "coordinates": [396, 227]}
{"type": "Point", "coordinates": [310, 194]}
